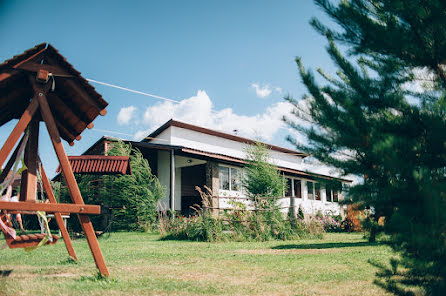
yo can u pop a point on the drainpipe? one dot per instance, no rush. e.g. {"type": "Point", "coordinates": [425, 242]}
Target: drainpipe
{"type": "Point", "coordinates": [172, 180]}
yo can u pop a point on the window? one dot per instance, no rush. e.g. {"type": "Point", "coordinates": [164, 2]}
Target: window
{"type": "Point", "coordinates": [235, 180]}
{"type": "Point", "coordinates": [230, 178]}
{"type": "Point", "coordinates": [297, 188]}
{"type": "Point", "coordinates": [329, 194]}
{"type": "Point", "coordinates": [317, 190]}
{"type": "Point", "coordinates": [223, 177]}
{"type": "Point", "coordinates": [310, 190]}
{"type": "Point", "coordinates": [335, 196]}
{"type": "Point", "coordinates": [288, 187]}
{"type": "Point", "coordinates": [332, 194]}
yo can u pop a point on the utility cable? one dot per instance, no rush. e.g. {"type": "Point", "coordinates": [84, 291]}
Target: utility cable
{"type": "Point", "coordinates": [133, 91]}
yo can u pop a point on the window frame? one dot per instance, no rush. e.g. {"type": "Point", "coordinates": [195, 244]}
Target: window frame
{"type": "Point", "coordinates": [317, 191]}
{"type": "Point", "coordinates": [240, 176]}
{"type": "Point", "coordinates": [292, 187]}
{"type": "Point", "coordinates": [333, 193]}
{"type": "Point", "coordinates": [312, 190]}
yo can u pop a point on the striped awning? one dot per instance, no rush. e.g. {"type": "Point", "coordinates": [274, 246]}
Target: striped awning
{"type": "Point", "coordinates": [99, 165]}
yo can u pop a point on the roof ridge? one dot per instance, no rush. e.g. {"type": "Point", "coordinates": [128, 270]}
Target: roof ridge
{"type": "Point", "coordinates": [177, 123]}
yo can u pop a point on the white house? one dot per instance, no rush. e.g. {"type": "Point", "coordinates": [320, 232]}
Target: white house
{"type": "Point", "coordinates": [184, 156]}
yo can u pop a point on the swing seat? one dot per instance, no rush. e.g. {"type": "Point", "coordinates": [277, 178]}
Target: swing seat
{"type": "Point", "coordinates": [25, 240]}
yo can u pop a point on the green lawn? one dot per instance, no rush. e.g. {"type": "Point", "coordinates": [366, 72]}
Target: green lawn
{"type": "Point", "coordinates": [140, 264]}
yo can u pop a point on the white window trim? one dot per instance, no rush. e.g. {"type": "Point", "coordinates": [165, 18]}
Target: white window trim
{"type": "Point", "coordinates": [230, 181]}
{"type": "Point", "coordinates": [332, 196]}
{"type": "Point", "coordinates": [293, 191]}
{"type": "Point", "coordinates": [314, 191]}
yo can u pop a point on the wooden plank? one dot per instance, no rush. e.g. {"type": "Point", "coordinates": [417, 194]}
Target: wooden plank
{"type": "Point", "coordinates": [30, 159]}
{"type": "Point", "coordinates": [50, 207]}
{"type": "Point", "coordinates": [23, 185]}
{"type": "Point", "coordinates": [58, 216]}
{"type": "Point", "coordinates": [72, 185]}
{"type": "Point", "coordinates": [29, 242]}
{"type": "Point", "coordinates": [18, 130]}
{"type": "Point", "coordinates": [33, 57]}
{"type": "Point", "coordinates": [35, 67]}
{"type": "Point", "coordinates": [66, 114]}
{"type": "Point", "coordinates": [85, 96]}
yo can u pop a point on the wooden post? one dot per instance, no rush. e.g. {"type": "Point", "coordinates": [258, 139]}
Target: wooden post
{"type": "Point", "coordinates": [18, 130]}
{"type": "Point", "coordinates": [28, 183]}
{"type": "Point", "coordinates": [58, 216]}
{"type": "Point", "coordinates": [71, 182]}
{"type": "Point", "coordinates": [172, 182]}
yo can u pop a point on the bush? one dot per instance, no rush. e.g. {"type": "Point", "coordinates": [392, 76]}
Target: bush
{"type": "Point", "coordinates": [132, 197]}
{"type": "Point", "coordinates": [329, 223]}
{"type": "Point", "coordinates": [195, 228]}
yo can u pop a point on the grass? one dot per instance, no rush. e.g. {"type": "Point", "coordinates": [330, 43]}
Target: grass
{"type": "Point", "coordinates": [141, 264]}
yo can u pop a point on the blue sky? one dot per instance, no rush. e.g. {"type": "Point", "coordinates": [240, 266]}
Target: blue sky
{"type": "Point", "coordinates": [229, 63]}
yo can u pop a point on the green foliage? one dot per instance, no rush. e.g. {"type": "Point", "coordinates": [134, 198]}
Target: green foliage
{"type": "Point", "coordinates": [369, 122]}
{"type": "Point", "coordinates": [133, 198]}
{"type": "Point", "coordinates": [300, 213]}
{"type": "Point", "coordinates": [233, 227]}
{"type": "Point", "coordinates": [195, 228]}
{"type": "Point", "coordinates": [261, 177]}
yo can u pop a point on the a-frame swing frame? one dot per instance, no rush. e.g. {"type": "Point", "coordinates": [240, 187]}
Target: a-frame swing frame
{"type": "Point", "coordinates": [30, 119]}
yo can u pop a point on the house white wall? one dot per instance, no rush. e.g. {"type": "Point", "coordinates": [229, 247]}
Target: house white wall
{"type": "Point", "coordinates": [192, 139]}
{"type": "Point", "coordinates": [308, 206]}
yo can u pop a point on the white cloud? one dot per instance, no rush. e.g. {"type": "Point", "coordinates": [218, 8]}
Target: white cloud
{"type": "Point", "coordinates": [126, 114]}
{"type": "Point", "coordinates": [262, 91]}
{"type": "Point", "coordinates": [265, 90]}
{"type": "Point", "coordinates": [423, 80]}
{"type": "Point", "coordinates": [198, 110]}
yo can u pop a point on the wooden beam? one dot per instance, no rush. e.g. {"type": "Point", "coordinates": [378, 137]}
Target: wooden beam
{"type": "Point", "coordinates": [18, 130]}
{"type": "Point", "coordinates": [85, 96]}
{"type": "Point", "coordinates": [72, 184]}
{"type": "Point", "coordinates": [29, 176]}
{"type": "Point", "coordinates": [31, 58]}
{"type": "Point", "coordinates": [66, 114]}
{"type": "Point", "coordinates": [58, 216]}
{"type": "Point", "coordinates": [35, 67]}
{"type": "Point", "coordinates": [50, 208]}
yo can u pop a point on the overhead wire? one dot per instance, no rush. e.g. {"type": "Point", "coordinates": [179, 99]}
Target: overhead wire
{"type": "Point", "coordinates": [133, 91]}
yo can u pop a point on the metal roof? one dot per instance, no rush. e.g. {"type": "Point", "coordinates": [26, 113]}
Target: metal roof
{"type": "Point", "coordinates": [100, 165]}
{"type": "Point", "coordinates": [215, 133]}
{"type": "Point", "coordinates": [73, 102]}
{"type": "Point", "coordinates": [240, 161]}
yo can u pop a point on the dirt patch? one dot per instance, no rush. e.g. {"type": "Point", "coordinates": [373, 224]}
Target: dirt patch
{"type": "Point", "coordinates": [288, 251]}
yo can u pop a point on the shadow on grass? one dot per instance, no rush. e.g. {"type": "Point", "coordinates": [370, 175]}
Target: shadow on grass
{"type": "Point", "coordinates": [5, 273]}
{"type": "Point", "coordinates": [325, 246]}
{"type": "Point", "coordinates": [3, 279]}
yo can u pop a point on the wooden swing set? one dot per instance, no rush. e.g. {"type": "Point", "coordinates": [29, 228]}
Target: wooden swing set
{"type": "Point", "coordinates": [40, 85]}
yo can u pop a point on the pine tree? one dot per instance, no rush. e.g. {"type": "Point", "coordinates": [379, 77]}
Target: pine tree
{"type": "Point", "coordinates": [369, 122]}
{"type": "Point", "coordinates": [262, 179]}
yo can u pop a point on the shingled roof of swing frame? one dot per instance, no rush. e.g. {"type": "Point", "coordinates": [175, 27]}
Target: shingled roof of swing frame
{"type": "Point", "coordinates": [74, 102]}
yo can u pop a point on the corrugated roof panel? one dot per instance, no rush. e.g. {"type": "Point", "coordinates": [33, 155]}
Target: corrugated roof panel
{"type": "Point", "coordinates": [100, 165]}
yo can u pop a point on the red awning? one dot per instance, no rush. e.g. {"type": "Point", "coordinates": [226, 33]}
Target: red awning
{"type": "Point", "coordinates": [99, 165]}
